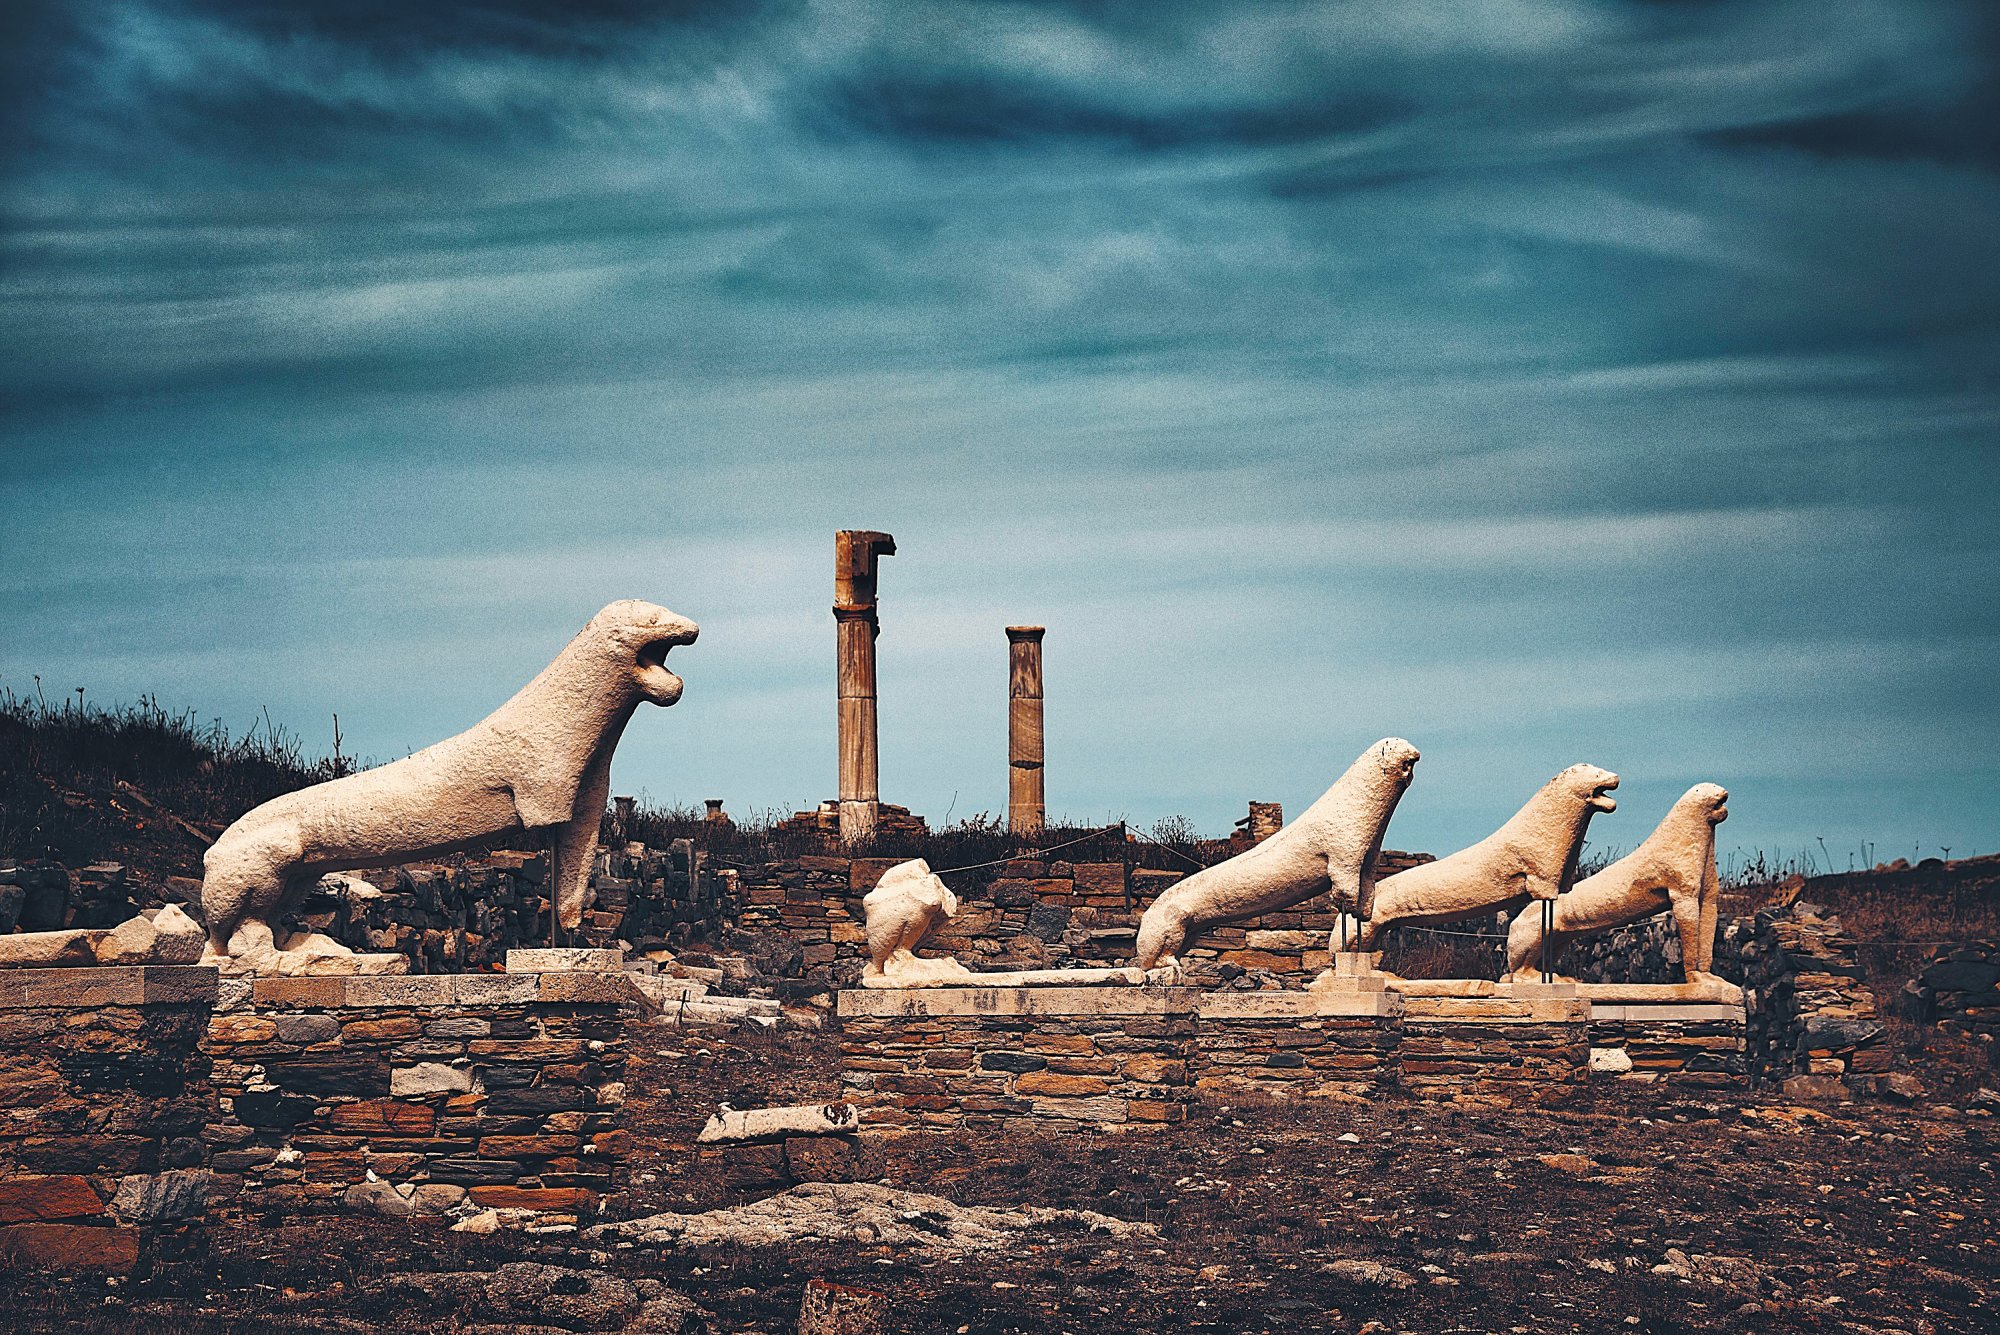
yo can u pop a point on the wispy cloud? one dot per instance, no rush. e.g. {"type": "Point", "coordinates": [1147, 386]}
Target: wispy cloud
{"type": "Point", "coordinates": [1575, 377]}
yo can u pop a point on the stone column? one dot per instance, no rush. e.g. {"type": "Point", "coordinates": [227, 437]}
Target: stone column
{"type": "Point", "coordinates": [1025, 810]}
{"type": "Point", "coordinates": [855, 552]}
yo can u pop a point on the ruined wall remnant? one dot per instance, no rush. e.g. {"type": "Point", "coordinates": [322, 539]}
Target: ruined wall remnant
{"type": "Point", "coordinates": [1026, 809]}
{"type": "Point", "coordinates": [855, 553]}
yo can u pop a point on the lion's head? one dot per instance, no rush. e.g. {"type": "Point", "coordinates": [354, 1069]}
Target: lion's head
{"type": "Point", "coordinates": [1398, 760]}
{"type": "Point", "coordinates": [1590, 785]}
{"type": "Point", "coordinates": [1709, 800]}
{"type": "Point", "coordinates": [638, 635]}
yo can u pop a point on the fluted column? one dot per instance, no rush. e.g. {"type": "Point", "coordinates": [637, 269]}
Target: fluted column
{"type": "Point", "coordinates": [855, 552]}
{"type": "Point", "coordinates": [1026, 812]}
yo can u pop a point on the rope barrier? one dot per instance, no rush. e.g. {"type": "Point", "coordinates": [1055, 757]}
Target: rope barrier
{"type": "Point", "coordinates": [1198, 866]}
{"type": "Point", "coordinates": [1033, 852]}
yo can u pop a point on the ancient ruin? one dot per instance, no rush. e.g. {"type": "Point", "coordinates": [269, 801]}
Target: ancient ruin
{"type": "Point", "coordinates": [903, 908]}
{"type": "Point", "coordinates": [542, 761]}
{"type": "Point", "coordinates": [1026, 804]}
{"type": "Point", "coordinates": [1329, 849]}
{"type": "Point", "coordinates": [855, 554]}
{"type": "Point", "coordinates": [1674, 870]}
{"type": "Point", "coordinates": [1531, 857]}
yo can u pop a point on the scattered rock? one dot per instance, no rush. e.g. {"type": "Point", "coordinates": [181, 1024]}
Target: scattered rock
{"type": "Point", "coordinates": [522, 1295]}
{"type": "Point", "coordinates": [1902, 1087]}
{"type": "Point", "coordinates": [1610, 1061]}
{"type": "Point", "coordinates": [1371, 1274]}
{"type": "Point", "coordinates": [1739, 1274]}
{"type": "Point", "coordinates": [836, 1309]}
{"type": "Point", "coordinates": [844, 1211]}
{"type": "Point", "coordinates": [1576, 1165]}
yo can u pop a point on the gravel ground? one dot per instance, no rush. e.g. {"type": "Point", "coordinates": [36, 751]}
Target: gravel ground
{"type": "Point", "coordinates": [1620, 1210]}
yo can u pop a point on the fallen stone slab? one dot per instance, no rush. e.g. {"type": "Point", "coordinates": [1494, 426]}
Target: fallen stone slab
{"type": "Point", "coordinates": [815, 1119]}
{"type": "Point", "coordinates": [565, 960]}
{"type": "Point", "coordinates": [1371, 1274]}
{"type": "Point", "coordinates": [42, 950]}
{"type": "Point", "coordinates": [1124, 976]}
{"type": "Point", "coordinates": [850, 1212]}
{"type": "Point", "coordinates": [721, 1010]}
{"type": "Point", "coordinates": [521, 1295]}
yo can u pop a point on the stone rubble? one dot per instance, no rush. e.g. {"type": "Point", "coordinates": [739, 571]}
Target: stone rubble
{"type": "Point", "coordinates": [859, 1212]}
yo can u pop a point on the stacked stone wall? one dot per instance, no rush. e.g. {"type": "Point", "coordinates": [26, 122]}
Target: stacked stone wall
{"type": "Point", "coordinates": [103, 1101]}
{"type": "Point", "coordinates": [1126, 1057]}
{"type": "Point", "coordinates": [1813, 1025]}
{"type": "Point", "coordinates": [1049, 1059]}
{"type": "Point", "coordinates": [1959, 989]}
{"type": "Point", "coordinates": [421, 1094]}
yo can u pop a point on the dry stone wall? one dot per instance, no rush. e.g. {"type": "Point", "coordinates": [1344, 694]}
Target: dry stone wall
{"type": "Point", "coordinates": [1050, 1059]}
{"type": "Point", "coordinates": [420, 1095]}
{"type": "Point", "coordinates": [103, 1102]}
{"type": "Point", "coordinates": [1960, 989]}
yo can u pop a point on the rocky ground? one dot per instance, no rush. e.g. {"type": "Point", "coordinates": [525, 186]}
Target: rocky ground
{"type": "Point", "coordinates": [1619, 1210]}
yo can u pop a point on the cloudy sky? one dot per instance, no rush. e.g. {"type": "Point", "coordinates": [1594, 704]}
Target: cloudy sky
{"type": "Point", "coordinates": [1541, 380]}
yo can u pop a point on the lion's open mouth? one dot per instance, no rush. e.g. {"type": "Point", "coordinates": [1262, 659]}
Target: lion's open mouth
{"type": "Point", "coordinates": [659, 685]}
{"type": "Point", "coordinates": [1601, 798]}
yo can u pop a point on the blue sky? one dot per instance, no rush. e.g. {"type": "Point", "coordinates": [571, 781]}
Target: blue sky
{"type": "Point", "coordinates": [1540, 381]}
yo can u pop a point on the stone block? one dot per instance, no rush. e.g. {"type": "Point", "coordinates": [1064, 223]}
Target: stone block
{"type": "Point", "coordinates": [1054, 1083]}
{"type": "Point", "coordinates": [383, 1117]}
{"type": "Point", "coordinates": [494, 989]}
{"type": "Point", "coordinates": [299, 991]}
{"type": "Point", "coordinates": [585, 988]}
{"type": "Point", "coordinates": [181, 1193]}
{"type": "Point", "coordinates": [302, 1029]}
{"type": "Point", "coordinates": [578, 1200]}
{"type": "Point", "coordinates": [55, 1196]}
{"type": "Point", "coordinates": [429, 1078]}
{"type": "Point", "coordinates": [84, 988]}
{"type": "Point", "coordinates": [469, 1171]}
{"type": "Point", "coordinates": [71, 1248]}
{"type": "Point", "coordinates": [565, 960]}
{"type": "Point", "coordinates": [166, 983]}
{"type": "Point", "coordinates": [407, 990]}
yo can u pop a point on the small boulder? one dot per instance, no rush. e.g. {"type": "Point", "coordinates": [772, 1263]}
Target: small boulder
{"type": "Point", "coordinates": [378, 1198]}
{"type": "Point", "coordinates": [177, 938]}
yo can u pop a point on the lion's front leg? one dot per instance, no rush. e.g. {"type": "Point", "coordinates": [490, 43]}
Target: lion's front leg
{"type": "Point", "coordinates": [576, 843]}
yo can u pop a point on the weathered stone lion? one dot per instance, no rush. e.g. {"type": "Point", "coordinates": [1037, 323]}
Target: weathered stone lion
{"type": "Point", "coordinates": [1673, 869]}
{"type": "Point", "coordinates": [1533, 856]}
{"type": "Point", "coordinates": [540, 761]}
{"type": "Point", "coordinates": [902, 909]}
{"type": "Point", "coordinates": [1331, 847]}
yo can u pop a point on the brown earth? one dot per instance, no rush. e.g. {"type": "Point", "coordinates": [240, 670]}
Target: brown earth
{"type": "Point", "coordinates": [1433, 1217]}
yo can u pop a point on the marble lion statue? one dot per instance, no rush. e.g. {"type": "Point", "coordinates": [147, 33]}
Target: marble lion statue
{"type": "Point", "coordinates": [542, 761]}
{"type": "Point", "coordinates": [1330, 848]}
{"type": "Point", "coordinates": [1673, 869]}
{"type": "Point", "coordinates": [1533, 856]}
{"type": "Point", "coordinates": [902, 909]}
